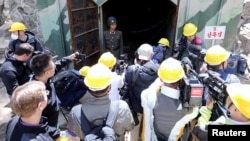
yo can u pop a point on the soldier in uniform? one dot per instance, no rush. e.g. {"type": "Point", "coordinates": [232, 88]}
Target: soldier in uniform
{"type": "Point", "coordinates": [113, 38]}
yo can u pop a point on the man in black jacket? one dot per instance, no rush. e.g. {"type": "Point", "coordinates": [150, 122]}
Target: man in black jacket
{"type": "Point", "coordinates": [44, 69]}
{"type": "Point", "coordinates": [144, 71]}
{"type": "Point", "coordinates": [113, 38]}
{"type": "Point", "coordinates": [14, 71]}
{"type": "Point", "coordinates": [20, 35]}
{"type": "Point", "coordinates": [28, 102]}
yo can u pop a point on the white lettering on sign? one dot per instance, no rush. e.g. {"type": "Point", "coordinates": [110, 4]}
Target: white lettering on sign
{"type": "Point", "coordinates": [215, 32]}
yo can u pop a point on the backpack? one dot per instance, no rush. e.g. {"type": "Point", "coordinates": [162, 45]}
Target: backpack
{"type": "Point", "coordinates": [103, 131]}
{"type": "Point", "coordinates": [69, 86]}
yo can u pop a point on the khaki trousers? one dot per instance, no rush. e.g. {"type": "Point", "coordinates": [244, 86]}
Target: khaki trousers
{"type": "Point", "coordinates": [135, 134]}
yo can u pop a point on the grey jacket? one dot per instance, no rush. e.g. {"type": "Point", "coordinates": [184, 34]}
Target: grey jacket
{"type": "Point", "coordinates": [97, 108]}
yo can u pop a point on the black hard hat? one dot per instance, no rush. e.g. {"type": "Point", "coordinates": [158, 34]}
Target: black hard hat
{"type": "Point", "coordinates": [111, 20]}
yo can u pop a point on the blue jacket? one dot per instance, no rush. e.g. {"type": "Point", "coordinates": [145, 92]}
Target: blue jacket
{"type": "Point", "coordinates": [31, 39]}
{"type": "Point", "coordinates": [159, 54]}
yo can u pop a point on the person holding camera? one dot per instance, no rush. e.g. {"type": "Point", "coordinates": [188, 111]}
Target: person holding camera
{"type": "Point", "coordinates": [137, 78]}
{"type": "Point", "coordinates": [216, 59]}
{"type": "Point", "coordinates": [165, 116]}
{"type": "Point", "coordinates": [109, 60]}
{"type": "Point", "coordinates": [190, 46]}
{"type": "Point", "coordinates": [237, 110]}
{"type": "Point", "coordinates": [44, 68]}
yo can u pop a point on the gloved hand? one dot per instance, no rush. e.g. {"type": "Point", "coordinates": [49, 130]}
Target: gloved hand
{"type": "Point", "coordinates": [91, 137]}
{"type": "Point", "coordinates": [108, 131]}
{"type": "Point", "coordinates": [109, 134]}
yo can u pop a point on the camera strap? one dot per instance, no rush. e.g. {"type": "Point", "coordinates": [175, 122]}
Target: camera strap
{"type": "Point", "coordinates": [135, 74]}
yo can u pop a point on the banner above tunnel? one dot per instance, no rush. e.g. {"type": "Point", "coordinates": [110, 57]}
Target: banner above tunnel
{"type": "Point", "coordinates": [100, 2]}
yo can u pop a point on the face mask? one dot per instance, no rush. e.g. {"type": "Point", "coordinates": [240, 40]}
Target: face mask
{"type": "Point", "coordinates": [14, 36]}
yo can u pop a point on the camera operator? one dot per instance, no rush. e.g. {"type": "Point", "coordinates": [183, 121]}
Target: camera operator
{"type": "Point", "coordinates": [216, 58]}
{"type": "Point", "coordinates": [141, 74]}
{"type": "Point", "coordinates": [163, 100]}
{"type": "Point", "coordinates": [44, 69]}
{"type": "Point", "coordinates": [109, 60]}
{"type": "Point", "coordinates": [236, 110]}
{"type": "Point", "coordinates": [189, 44]}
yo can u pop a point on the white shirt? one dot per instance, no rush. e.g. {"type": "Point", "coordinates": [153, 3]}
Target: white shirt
{"type": "Point", "coordinates": [117, 82]}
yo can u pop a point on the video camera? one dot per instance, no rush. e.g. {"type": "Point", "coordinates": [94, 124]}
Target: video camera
{"type": "Point", "coordinates": [121, 64]}
{"type": "Point", "coordinates": [194, 86]}
{"type": "Point", "coordinates": [216, 86]}
{"type": "Point", "coordinates": [198, 55]}
{"type": "Point", "coordinates": [192, 89]}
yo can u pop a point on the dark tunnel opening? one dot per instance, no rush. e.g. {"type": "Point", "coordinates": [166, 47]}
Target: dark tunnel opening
{"type": "Point", "coordinates": [142, 21]}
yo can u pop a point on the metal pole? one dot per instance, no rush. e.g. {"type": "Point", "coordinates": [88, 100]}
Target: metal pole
{"type": "Point", "coordinates": [175, 25]}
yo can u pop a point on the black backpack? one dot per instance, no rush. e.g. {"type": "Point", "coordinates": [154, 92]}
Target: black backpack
{"type": "Point", "coordinates": [69, 86]}
{"type": "Point", "coordinates": [103, 131]}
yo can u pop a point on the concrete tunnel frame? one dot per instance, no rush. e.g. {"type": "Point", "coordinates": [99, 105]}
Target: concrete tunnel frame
{"type": "Point", "coordinates": [141, 21]}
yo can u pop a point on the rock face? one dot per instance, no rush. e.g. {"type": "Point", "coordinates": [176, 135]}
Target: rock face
{"type": "Point", "coordinates": [244, 29]}
{"type": "Point", "coordinates": [243, 46]}
{"type": "Point", "coordinates": [18, 10]}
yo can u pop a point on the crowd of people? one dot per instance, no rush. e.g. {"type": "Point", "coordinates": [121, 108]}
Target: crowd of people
{"type": "Point", "coordinates": [151, 106]}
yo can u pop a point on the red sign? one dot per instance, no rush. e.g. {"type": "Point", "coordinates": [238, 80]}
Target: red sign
{"type": "Point", "coordinates": [197, 92]}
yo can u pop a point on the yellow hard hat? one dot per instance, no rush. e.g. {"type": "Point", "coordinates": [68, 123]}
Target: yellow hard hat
{"type": "Point", "coordinates": [216, 55]}
{"type": "Point", "coordinates": [239, 93]}
{"type": "Point", "coordinates": [84, 70]}
{"type": "Point", "coordinates": [170, 70]}
{"type": "Point", "coordinates": [189, 29]}
{"type": "Point", "coordinates": [107, 59]}
{"type": "Point", "coordinates": [164, 41]}
{"type": "Point", "coordinates": [17, 26]}
{"type": "Point", "coordinates": [98, 77]}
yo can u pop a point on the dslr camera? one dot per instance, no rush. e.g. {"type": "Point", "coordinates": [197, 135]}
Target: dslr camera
{"type": "Point", "coordinates": [121, 64]}
{"type": "Point", "coordinates": [80, 57]}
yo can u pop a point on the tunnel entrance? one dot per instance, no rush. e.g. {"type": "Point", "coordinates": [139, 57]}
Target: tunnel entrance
{"type": "Point", "coordinates": [142, 21]}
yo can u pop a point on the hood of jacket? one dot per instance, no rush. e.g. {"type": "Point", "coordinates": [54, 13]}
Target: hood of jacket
{"type": "Point", "coordinates": [149, 70]}
{"type": "Point", "coordinates": [9, 57]}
